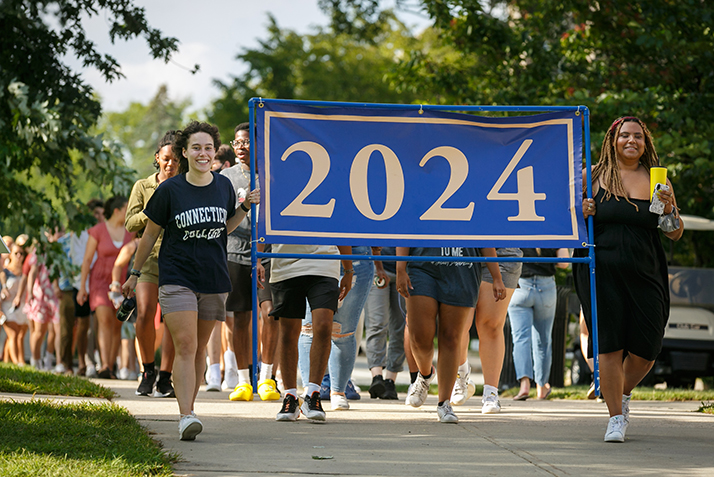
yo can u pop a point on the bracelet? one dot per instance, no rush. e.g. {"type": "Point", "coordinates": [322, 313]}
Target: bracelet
{"type": "Point", "coordinates": [242, 206]}
{"type": "Point", "coordinates": [351, 270]}
{"type": "Point", "coordinates": [669, 222]}
{"type": "Point", "coordinates": [114, 284]}
{"type": "Point", "coordinates": [135, 272]}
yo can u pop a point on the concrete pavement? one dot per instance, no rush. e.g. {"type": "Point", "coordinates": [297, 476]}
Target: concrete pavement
{"type": "Point", "coordinates": [387, 438]}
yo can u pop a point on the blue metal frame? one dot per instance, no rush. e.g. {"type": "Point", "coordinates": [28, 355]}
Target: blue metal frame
{"type": "Point", "coordinates": [255, 255]}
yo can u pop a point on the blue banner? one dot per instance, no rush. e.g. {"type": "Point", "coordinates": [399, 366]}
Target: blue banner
{"type": "Point", "coordinates": [380, 176]}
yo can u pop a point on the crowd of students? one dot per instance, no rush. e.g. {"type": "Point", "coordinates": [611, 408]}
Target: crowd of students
{"type": "Point", "coordinates": [180, 245]}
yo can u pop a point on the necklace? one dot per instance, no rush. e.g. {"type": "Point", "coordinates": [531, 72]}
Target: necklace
{"type": "Point", "coordinates": [245, 176]}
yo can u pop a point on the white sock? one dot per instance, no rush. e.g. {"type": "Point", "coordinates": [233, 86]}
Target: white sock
{"type": "Point", "coordinates": [266, 371]}
{"type": "Point", "coordinates": [311, 388]}
{"type": "Point", "coordinates": [243, 376]}
{"type": "Point", "coordinates": [214, 372]}
{"type": "Point", "coordinates": [464, 368]}
{"type": "Point", "coordinates": [292, 391]}
{"type": "Point", "coordinates": [490, 390]}
{"type": "Point", "coordinates": [229, 359]}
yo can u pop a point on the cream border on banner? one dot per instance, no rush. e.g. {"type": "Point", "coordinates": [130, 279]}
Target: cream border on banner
{"type": "Point", "coordinates": [416, 120]}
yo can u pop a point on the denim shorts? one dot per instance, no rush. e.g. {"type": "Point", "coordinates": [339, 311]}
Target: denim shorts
{"type": "Point", "coordinates": [449, 285]}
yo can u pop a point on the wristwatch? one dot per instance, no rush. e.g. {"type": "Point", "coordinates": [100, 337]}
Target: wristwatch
{"type": "Point", "coordinates": [135, 272]}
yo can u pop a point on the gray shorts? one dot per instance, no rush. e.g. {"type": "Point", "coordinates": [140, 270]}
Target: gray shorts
{"type": "Point", "coordinates": [510, 271]}
{"type": "Point", "coordinates": [209, 306]}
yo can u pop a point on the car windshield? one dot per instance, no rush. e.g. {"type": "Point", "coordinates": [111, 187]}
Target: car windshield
{"type": "Point", "coordinates": [692, 287]}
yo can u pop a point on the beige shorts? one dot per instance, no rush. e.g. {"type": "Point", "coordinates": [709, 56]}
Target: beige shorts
{"type": "Point", "coordinates": [150, 271]}
{"type": "Point", "coordinates": [209, 306]}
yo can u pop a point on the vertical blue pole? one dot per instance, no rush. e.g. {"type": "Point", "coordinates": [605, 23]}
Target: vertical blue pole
{"type": "Point", "coordinates": [591, 256]}
{"type": "Point", "coordinates": [253, 244]}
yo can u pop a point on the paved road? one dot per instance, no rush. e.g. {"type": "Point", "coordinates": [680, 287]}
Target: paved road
{"type": "Point", "coordinates": [386, 438]}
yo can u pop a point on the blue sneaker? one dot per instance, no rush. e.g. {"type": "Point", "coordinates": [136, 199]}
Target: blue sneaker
{"type": "Point", "coordinates": [351, 393]}
{"type": "Point", "coordinates": [325, 388]}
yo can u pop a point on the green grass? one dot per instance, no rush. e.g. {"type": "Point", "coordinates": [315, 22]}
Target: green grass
{"type": "Point", "coordinates": [45, 438]}
{"type": "Point", "coordinates": [706, 407]}
{"type": "Point", "coordinates": [26, 380]}
{"type": "Point", "coordinates": [580, 393]}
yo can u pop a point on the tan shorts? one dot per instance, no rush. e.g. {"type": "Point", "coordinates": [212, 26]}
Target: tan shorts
{"type": "Point", "coordinates": [150, 271]}
{"type": "Point", "coordinates": [209, 306]}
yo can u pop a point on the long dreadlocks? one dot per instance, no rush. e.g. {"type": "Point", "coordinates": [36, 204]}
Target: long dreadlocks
{"type": "Point", "coordinates": [607, 170]}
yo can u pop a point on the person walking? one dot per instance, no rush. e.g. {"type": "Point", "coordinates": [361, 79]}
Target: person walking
{"type": "Point", "coordinates": [196, 210]}
{"type": "Point", "coordinates": [631, 266]}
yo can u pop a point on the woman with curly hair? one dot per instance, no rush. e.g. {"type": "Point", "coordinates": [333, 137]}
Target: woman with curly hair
{"type": "Point", "coordinates": [631, 278]}
{"type": "Point", "coordinates": [196, 210]}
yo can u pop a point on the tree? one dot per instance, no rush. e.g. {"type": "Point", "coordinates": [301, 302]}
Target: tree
{"type": "Point", "coordinates": [140, 127]}
{"type": "Point", "coordinates": [650, 59]}
{"type": "Point", "coordinates": [325, 65]}
{"type": "Point", "coordinates": [47, 111]}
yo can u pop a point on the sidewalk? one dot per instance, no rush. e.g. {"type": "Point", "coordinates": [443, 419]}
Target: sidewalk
{"type": "Point", "coordinates": [387, 438]}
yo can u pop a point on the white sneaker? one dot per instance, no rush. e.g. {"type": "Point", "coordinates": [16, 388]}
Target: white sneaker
{"type": "Point", "coordinates": [615, 429]}
{"type": "Point", "coordinates": [48, 362]}
{"type": "Point", "coordinates": [418, 390]}
{"type": "Point", "coordinates": [490, 404]}
{"type": "Point", "coordinates": [91, 371]}
{"type": "Point", "coordinates": [464, 388]}
{"type": "Point", "coordinates": [189, 427]}
{"type": "Point", "coordinates": [339, 402]}
{"type": "Point", "coordinates": [446, 414]}
{"type": "Point", "coordinates": [213, 384]}
{"type": "Point", "coordinates": [59, 369]}
{"type": "Point", "coordinates": [123, 374]}
{"type": "Point", "coordinates": [230, 381]}
{"type": "Point", "coordinates": [626, 409]}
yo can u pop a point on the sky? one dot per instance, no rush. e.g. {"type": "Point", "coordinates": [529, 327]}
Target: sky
{"type": "Point", "coordinates": [211, 33]}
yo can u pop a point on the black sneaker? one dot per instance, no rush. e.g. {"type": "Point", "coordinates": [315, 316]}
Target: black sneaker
{"type": "Point", "coordinates": [376, 389]}
{"type": "Point", "coordinates": [290, 410]}
{"type": "Point", "coordinates": [164, 388]}
{"type": "Point", "coordinates": [390, 390]}
{"type": "Point", "coordinates": [146, 386]}
{"type": "Point", "coordinates": [312, 407]}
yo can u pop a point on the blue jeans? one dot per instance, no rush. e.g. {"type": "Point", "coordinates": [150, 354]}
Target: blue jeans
{"type": "Point", "coordinates": [344, 342]}
{"type": "Point", "coordinates": [532, 312]}
{"type": "Point", "coordinates": [384, 315]}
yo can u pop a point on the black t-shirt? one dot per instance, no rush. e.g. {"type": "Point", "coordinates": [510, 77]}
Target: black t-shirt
{"type": "Point", "coordinates": [193, 252]}
{"type": "Point", "coordinates": [538, 269]}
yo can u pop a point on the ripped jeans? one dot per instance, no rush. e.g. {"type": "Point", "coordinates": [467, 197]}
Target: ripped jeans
{"type": "Point", "coordinates": [344, 324]}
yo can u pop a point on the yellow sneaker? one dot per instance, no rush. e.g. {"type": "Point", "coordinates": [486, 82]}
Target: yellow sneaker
{"type": "Point", "coordinates": [242, 392]}
{"type": "Point", "coordinates": [267, 390]}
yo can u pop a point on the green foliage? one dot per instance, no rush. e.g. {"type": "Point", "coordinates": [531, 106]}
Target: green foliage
{"type": "Point", "coordinates": [650, 59]}
{"type": "Point", "coordinates": [48, 438]}
{"type": "Point", "coordinates": [325, 65]}
{"type": "Point", "coordinates": [24, 379]}
{"type": "Point", "coordinates": [47, 112]}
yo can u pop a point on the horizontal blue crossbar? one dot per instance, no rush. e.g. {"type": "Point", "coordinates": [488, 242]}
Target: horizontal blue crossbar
{"type": "Point", "coordinates": [424, 107]}
{"type": "Point", "coordinates": [410, 258]}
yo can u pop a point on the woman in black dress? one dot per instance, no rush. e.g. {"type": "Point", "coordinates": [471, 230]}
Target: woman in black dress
{"type": "Point", "coordinates": [631, 267]}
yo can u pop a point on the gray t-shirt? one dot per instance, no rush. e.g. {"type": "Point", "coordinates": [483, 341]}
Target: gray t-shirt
{"type": "Point", "coordinates": [238, 246]}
